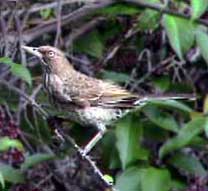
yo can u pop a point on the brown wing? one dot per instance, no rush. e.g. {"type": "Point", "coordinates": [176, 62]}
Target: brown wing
{"type": "Point", "coordinates": [93, 92]}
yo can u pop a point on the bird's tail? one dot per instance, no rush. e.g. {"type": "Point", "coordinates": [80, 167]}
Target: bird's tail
{"type": "Point", "coordinates": [148, 98]}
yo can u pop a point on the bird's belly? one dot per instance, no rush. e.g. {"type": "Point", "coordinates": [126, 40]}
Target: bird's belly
{"type": "Point", "coordinates": [95, 115]}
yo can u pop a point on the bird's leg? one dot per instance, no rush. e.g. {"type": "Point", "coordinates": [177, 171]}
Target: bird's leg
{"type": "Point", "coordinates": [94, 140]}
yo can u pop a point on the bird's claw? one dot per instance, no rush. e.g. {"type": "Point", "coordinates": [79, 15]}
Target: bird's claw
{"type": "Point", "coordinates": [82, 152]}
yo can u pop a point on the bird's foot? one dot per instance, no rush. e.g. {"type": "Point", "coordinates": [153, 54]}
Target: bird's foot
{"type": "Point", "coordinates": [83, 152]}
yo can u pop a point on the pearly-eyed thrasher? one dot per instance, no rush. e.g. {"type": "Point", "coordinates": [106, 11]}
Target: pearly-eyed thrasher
{"type": "Point", "coordinates": [87, 100]}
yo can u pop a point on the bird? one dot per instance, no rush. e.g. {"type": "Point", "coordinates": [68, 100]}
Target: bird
{"type": "Point", "coordinates": [88, 101]}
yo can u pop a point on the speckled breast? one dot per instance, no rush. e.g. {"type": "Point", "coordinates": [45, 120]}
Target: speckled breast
{"type": "Point", "coordinates": [95, 115]}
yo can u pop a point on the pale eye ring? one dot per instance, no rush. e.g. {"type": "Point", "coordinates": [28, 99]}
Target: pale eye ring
{"type": "Point", "coordinates": [51, 54]}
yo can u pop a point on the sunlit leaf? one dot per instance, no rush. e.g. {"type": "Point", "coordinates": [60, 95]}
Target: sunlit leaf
{"type": "Point", "coordinates": [108, 178]}
{"type": "Point", "coordinates": [198, 7]}
{"type": "Point", "coordinates": [185, 135]}
{"type": "Point", "coordinates": [156, 180]}
{"type": "Point", "coordinates": [187, 163]}
{"type": "Point", "coordinates": [6, 143]}
{"type": "Point", "coordinates": [180, 33]}
{"type": "Point", "coordinates": [202, 42]}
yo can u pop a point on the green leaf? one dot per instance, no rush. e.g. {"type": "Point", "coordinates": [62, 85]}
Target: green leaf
{"type": "Point", "coordinates": [110, 153]}
{"type": "Point", "coordinates": [129, 133]}
{"type": "Point", "coordinates": [162, 119]}
{"type": "Point", "coordinates": [156, 180]}
{"type": "Point", "coordinates": [206, 128]}
{"type": "Point", "coordinates": [6, 60]}
{"type": "Point", "coordinates": [178, 185]}
{"type": "Point", "coordinates": [119, 9]}
{"type": "Point", "coordinates": [198, 8]}
{"type": "Point", "coordinates": [129, 180]}
{"type": "Point", "coordinates": [46, 13]}
{"type": "Point", "coordinates": [148, 20]}
{"type": "Point", "coordinates": [202, 42]}
{"type": "Point", "coordinates": [185, 135]}
{"type": "Point", "coordinates": [2, 182]}
{"type": "Point", "coordinates": [172, 104]}
{"type": "Point", "coordinates": [18, 69]}
{"type": "Point", "coordinates": [108, 178]}
{"type": "Point", "coordinates": [22, 72]}
{"type": "Point", "coordinates": [187, 163]}
{"type": "Point", "coordinates": [90, 44]}
{"type": "Point", "coordinates": [36, 159]}
{"type": "Point", "coordinates": [114, 76]}
{"type": "Point", "coordinates": [163, 82]}
{"type": "Point", "coordinates": [11, 175]}
{"type": "Point", "coordinates": [180, 33]}
{"type": "Point", "coordinates": [6, 143]}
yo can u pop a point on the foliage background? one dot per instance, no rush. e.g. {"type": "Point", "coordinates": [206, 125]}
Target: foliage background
{"type": "Point", "coordinates": [147, 46]}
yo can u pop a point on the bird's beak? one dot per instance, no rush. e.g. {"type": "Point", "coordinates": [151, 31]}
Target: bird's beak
{"type": "Point", "coordinates": [32, 50]}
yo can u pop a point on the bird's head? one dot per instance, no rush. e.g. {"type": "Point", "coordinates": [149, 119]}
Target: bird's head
{"type": "Point", "coordinates": [47, 54]}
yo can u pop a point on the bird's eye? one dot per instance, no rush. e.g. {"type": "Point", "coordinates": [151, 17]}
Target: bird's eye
{"type": "Point", "coordinates": [51, 54]}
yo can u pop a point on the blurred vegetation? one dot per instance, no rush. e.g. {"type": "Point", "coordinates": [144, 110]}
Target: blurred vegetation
{"type": "Point", "coordinates": [149, 47]}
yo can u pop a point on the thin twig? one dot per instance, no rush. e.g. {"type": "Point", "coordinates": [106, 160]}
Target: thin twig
{"type": "Point", "coordinates": [85, 157]}
{"type": "Point", "coordinates": [58, 28]}
{"type": "Point", "coordinates": [24, 95]}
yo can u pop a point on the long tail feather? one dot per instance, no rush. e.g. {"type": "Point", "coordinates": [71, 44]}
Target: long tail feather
{"type": "Point", "coordinates": [149, 98]}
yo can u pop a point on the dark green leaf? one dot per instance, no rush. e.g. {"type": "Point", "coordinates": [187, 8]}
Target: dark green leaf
{"type": "Point", "coordinates": [187, 163]}
{"type": "Point", "coordinates": [156, 180]}
{"type": "Point", "coordinates": [129, 134]}
{"type": "Point", "coordinates": [185, 135]}
{"type": "Point", "coordinates": [162, 119]}
{"type": "Point", "coordinates": [180, 33]}
{"type": "Point", "coordinates": [11, 175]}
{"type": "Point", "coordinates": [178, 185]}
{"type": "Point", "coordinates": [198, 7]}
{"type": "Point", "coordinates": [36, 159]}
{"type": "Point", "coordinates": [90, 44]}
{"type": "Point", "coordinates": [114, 76]}
{"type": "Point", "coordinates": [119, 9]}
{"type": "Point", "coordinates": [110, 155]}
{"type": "Point", "coordinates": [162, 83]}
{"type": "Point", "coordinates": [172, 104]}
{"type": "Point", "coordinates": [6, 143]}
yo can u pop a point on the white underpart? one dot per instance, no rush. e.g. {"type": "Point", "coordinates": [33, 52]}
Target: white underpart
{"type": "Point", "coordinates": [96, 116]}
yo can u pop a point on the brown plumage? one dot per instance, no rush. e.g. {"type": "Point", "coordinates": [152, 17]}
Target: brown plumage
{"type": "Point", "coordinates": [89, 101]}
